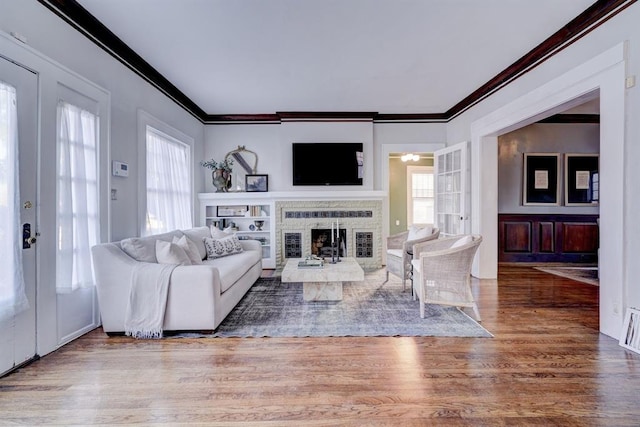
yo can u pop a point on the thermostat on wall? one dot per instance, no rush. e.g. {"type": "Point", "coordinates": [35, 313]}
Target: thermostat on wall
{"type": "Point", "coordinates": [120, 169]}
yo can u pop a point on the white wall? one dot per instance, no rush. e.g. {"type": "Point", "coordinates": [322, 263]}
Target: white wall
{"type": "Point", "coordinates": [588, 64]}
{"type": "Point", "coordinates": [50, 35]}
{"type": "Point", "coordinates": [272, 144]}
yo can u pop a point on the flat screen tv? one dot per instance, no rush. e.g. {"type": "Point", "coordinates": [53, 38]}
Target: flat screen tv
{"type": "Point", "coordinates": [324, 163]}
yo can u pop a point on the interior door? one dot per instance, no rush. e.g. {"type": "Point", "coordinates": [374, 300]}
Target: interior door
{"type": "Point", "coordinates": [18, 331]}
{"type": "Point", "coordinates": [451, 175]}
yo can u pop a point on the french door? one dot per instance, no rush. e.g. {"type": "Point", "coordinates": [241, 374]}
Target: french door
{"type": "Point", "coordinates": [18, 330]}
{"type": "Point", "coordinates": [452, 189]}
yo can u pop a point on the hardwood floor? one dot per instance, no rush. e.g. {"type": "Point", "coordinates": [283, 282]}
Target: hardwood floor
{"type": "Point", "coordinates": [547, 365]}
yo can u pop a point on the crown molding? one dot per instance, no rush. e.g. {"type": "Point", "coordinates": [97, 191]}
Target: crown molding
{"type": "Point", "coordinates": [80, 19]}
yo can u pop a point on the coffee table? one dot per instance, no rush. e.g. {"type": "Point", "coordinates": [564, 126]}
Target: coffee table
{"type": "Point", "coordinates": [323, 284]}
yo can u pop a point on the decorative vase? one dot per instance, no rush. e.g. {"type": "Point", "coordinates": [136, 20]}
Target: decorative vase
{"type": "Point", "coordinates": [259, 224]}
{"type": "Point", "coordinates": [221, 180]}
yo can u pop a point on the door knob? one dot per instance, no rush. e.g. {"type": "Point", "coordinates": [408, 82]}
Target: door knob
{"type": "Point", "coordinates": [31, 240]}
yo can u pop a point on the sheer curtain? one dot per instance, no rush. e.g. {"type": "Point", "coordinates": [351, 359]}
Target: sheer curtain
{"type": "Point", "coordinates": [12, 296]}
{"type": "Point", "coordinates": [168, 184]}
{"type": "Point", "coordinates": [77, 210]}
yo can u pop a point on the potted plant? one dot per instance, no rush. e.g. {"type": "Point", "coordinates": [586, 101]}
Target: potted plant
{"type": "Point", "coordinates": [220, 173]}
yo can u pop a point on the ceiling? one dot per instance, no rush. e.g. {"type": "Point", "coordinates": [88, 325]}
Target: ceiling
{"type": "Point", "coordinates": [384, 56]}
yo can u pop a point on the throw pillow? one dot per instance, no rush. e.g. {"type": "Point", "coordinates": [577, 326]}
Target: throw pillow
{"type": "Point", "coordinates": [217, 248]}
{"type": "Point", "coordinates": [189, 248]}
{"type": "Point", "coordinates": [462, 241]}
{"type": "Point", "coordinates": [195, 235]}
{"type": "Point", "coordinates": [416, 232]}
{"type": "Point", "coordinates": [171, 253]}
{"type": "Point", "coordinates": [216, 233]}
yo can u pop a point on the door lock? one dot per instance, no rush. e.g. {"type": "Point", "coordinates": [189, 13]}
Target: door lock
{"type": "Point", "coordinates": [27, 238]}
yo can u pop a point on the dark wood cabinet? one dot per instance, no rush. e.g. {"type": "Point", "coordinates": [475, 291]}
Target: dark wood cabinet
{"type": "Point", "coordinates": [548, 238]}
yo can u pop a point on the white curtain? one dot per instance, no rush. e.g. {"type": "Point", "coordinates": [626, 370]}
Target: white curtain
{"type": "Point", "coordinates": [77, 199]}
{"type": "Point", "coordinates": [168, 184]}
{"type": "Point", "coordinates": [12, 296]}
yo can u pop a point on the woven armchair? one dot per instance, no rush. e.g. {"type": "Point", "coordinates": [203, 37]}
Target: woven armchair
{"type": "Point", "coordinates": [400, 253]}
{"type": "Point", "coordinates": [442, 272]}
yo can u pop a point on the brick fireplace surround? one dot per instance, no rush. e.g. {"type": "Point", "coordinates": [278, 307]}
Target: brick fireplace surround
{"type": "Point", "coordinates": [359, 218]}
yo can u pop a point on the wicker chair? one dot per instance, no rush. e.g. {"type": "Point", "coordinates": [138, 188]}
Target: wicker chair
{"type": "Point", "coordinates": [442, 272]}
{"type": "Point", "coordinates": [400, 253]}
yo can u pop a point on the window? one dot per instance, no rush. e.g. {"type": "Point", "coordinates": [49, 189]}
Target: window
{"type": "Point", "coordinates": [420, 195]}
{"type": "Point", "coordinates": [12, 296]}
{"type": "Point", "coordinates": [168, 183]}
{"type": "Point", "coordinates": [77, 213]}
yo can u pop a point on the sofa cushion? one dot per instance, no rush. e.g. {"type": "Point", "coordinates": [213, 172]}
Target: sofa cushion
{"type": "Point", "coordinates": [216, 233]}
{"type": "Point", "coordinates": [171, 253]}
{"type": "Point", "coordinates": [232, 268]}
{"type": "Point", "coordinates": [196, 235]}
{"type": "Point", "coordinates": [217, 248]}
{"type": "Point", "coordinates": [189, 247]}
{"type": "Point", "coordinates": [144, 248]}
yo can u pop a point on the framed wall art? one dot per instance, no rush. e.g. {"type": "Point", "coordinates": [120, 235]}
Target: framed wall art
{"type": "Point", "coordinates": [540, 179]}
{"type": "Point", "coordinates": [227, 211]}
{"type": "Point", "coordinates": [581, 180]}
{"type": "Point", "coordinates": [257, 183]}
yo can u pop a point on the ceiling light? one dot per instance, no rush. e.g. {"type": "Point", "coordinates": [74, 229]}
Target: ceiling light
{"type": "Point", "coordinates": [410, 156]}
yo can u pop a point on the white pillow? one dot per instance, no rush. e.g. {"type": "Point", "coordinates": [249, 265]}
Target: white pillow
{"type": "Point", "coordinates": [216, 233]}
{"type": "Point", "coordinates": [462, 241]}
{"type": "Point", "coordinates": [416, 232]}
{"type": "Point", "coordinates": [217, 248]}
{"type": "Point", "coordinates": [189, 248]}
{"type": "Point", "coordinates": [171, 253]}
{"type": "Point", "coordinates": [195, 235]}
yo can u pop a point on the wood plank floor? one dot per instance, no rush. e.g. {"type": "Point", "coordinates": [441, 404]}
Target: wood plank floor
{"type": "Point", "coordinates": [547, 365]}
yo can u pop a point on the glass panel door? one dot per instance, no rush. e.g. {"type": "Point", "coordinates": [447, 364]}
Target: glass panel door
{"type": "Point", "coordinates": [451, 189]}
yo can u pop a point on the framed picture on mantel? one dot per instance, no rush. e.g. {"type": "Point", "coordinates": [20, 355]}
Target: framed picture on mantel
{"type": "Point", "coordinates": [540, 179]}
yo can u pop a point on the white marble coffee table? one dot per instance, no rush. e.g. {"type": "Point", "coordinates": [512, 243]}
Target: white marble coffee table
{"type": "Point", "coordinates": [323, 284]}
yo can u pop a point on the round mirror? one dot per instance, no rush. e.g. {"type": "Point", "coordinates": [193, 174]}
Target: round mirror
{"type": "Point", "coordinates": [245, 162]}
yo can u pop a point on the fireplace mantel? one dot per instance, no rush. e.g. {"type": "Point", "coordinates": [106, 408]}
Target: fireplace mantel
{"type": "Point", "coordinates": [320, 195]}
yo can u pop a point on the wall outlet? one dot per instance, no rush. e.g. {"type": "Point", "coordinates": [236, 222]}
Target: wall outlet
{"type": "Point", "coordinates": [397, 222]}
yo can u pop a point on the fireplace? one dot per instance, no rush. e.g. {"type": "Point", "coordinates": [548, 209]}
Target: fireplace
{"type": "Point", "coordinates": [303, 228]}
{"type": "Point", "coordinates": [321, 242]}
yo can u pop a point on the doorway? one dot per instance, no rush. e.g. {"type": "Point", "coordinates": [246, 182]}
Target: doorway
{"type": "Point", "coordinates": [18, 148]}
{"type": "Point", "coordinates": [599, 76]}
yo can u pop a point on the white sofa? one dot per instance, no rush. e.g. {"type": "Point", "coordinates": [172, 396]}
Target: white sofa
{"type": "Point", "coordinates": [199, 296]}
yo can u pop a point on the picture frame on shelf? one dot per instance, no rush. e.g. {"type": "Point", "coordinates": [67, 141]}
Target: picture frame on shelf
{"type": "Point", "coordinates": [231, 211]}
{"type": "Point", "coordinates": [581, 180]}
{"type": "Point", "coordinates": [256, 183]}
{"type": "Point", "coordinates": [541, 179]}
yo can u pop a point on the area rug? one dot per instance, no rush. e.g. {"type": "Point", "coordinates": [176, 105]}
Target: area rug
{"type": "Point", "coordinates": [370, 308]}
{"type": "Point", "coordinates": [581, 274]}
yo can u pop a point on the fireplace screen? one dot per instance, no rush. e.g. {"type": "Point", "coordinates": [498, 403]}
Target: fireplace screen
{"type": "Point", "coordinates": [321, 242]}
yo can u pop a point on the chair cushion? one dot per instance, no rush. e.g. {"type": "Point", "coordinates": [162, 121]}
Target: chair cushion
{"type": "Point", "coordinates": [232, 268]}
{"type": "Point", "coordinates": [395, 252]}
{"type": "Point", "coordinates": [416, 232]}
{"type": "Point", "coordinates": [462, 241]}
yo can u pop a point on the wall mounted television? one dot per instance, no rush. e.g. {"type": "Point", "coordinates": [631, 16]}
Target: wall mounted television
{"type": "Point", "coordinates": [326, 163]}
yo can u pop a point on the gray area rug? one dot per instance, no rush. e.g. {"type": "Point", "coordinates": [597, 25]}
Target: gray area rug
{"type": "Point", "coordinates": [581, 274]}
{"type": "Point", "coordinates": [369, 308]}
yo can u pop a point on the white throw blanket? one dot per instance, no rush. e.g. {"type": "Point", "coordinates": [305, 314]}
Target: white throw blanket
{"type": "Point", "coordinates": [147, 300]}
